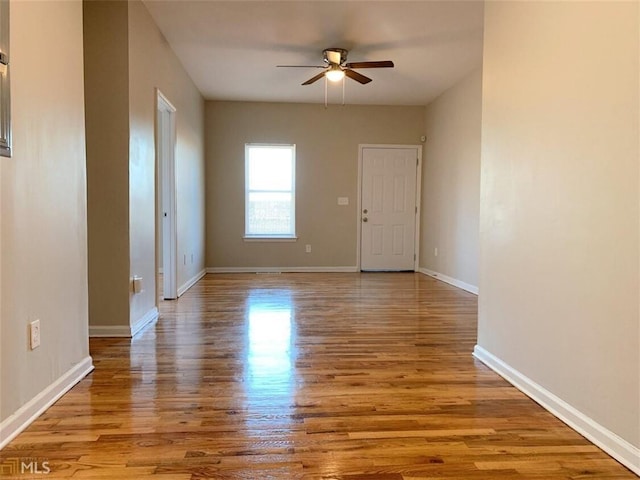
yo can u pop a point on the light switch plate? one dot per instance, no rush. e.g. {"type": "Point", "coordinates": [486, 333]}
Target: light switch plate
{"type": "Point", "coordinates": [343, 200]}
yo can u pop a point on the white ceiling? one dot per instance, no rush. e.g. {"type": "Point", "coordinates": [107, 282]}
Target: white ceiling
{"type": "Point", "coordinates": [231, 48]}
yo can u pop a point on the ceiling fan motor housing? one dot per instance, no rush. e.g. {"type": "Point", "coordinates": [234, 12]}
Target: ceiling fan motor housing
{"type": "Point", "coordinates": [335, 56]}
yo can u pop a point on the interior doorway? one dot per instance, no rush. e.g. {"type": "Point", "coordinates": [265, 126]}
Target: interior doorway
{"type": "Point", "coordinates": [166, 230]}
{"type": "Point", "coordinates": [389, 207]}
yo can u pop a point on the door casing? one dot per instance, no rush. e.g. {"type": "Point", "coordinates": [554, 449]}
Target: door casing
{"type": "Point", "coordinates": [418, 149]}
{"type": "Point", "coordinates": [166, 226]}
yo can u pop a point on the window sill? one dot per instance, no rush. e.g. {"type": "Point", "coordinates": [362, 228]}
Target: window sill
{"type": "Point", "coordinates": [269, 238]}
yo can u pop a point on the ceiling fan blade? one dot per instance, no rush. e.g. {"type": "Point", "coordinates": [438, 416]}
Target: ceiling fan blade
{"type": "Point", "coordinates": [380, 64]}
{"type": "Point", "coordinates": [301, 66]}
{"type": "Point", "coordinates": [314, 79]}
{"type": "Point", "coordinates": [358, 77]}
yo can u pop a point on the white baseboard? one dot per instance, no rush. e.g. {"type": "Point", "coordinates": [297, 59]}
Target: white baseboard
{"type": "Point", "coordinates": [624, 452]}
{"type": "Point", "coordinates": [451, 281]}
{"type": "Point", "coordinates": [25, 415]}
{"type": "Point", "coordinates": [149, 317]}
{"type": "Point", "coordinates": [282, 269]}
{"type": "Point", "coordinates": [124, 330]}
{"type": "Point", "coordinates": [190, 283]}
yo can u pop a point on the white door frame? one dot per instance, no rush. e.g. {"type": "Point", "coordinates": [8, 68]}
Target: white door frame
{"type": "Point", "coordinates": [361, 148]}
{"type": "Point", "coordinates": [166, 225]}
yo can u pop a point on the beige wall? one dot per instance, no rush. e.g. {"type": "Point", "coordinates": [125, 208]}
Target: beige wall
{"type": "Point", "coordinates": [451, 182]}
{"type": "Point", "coordinates": [121, 108]}
{"type": "Point", "coordinates": [43, 198]}
{"type": "Point", "coordinates": [326, 168]}
{"type": "Point", "coordinates": [559, 208]}
{"type": "Point", "coordinates": [152, 64]}
{"type": "Point", "coordinates": [107, 126]}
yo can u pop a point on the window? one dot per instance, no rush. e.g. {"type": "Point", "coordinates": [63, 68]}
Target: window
{"type": "Point", "coordinates": [270, 197]}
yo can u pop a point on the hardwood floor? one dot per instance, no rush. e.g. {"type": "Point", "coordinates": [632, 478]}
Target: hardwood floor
{"type": "Point", "coordinates": [305, 376]}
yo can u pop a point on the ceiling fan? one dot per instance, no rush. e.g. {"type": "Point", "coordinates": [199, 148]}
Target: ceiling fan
{"type": "Point", "coordinates": [336, 67]}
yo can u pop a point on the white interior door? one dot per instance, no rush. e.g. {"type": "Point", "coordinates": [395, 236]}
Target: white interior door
{"type": "Point", "coordinates": [388, 208]}
{"type": "Point", "coordinates": [167, 234]}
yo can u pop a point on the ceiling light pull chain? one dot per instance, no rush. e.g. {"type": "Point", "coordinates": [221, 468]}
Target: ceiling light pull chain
{"type": "Point", "coordinates": [325, 92]}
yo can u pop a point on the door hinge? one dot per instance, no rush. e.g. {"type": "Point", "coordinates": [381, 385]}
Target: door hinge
{"type": "Point", "coordinates": [416, 209]}
{"type": "Point", "coordinates": [417, 162]}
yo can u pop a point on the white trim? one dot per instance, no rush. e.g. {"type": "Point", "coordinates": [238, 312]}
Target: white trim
{"type": "Point", "coordinates": [282, 269]}
{"type": "Point", "coordinates": [416, 247]}
{"type": "Point", "coordinates": [359, 206]}
{"type": "Point", "coordinates": [190, 283]}
{"type": "Point", "coordinates": [122, 330]}
{"type": "Point", "coordinates": [618, 448]}
{"type": "Point", "coordinates": [148, 318]}
{"type": "Point", "coordinates": [451, 281]}
{"type": "Point", "coordinates": [258, 238]}
{"type": "Point", "coordinates": [25, 415]}
{"type": "Point", "coordinates": [265, 237]}
{"type": "Point", "coordinates": [5, 83]}
{"type": "Point", "coordinates": [166, 202]}
{"type": "Point", "coordinates": [163, 98]}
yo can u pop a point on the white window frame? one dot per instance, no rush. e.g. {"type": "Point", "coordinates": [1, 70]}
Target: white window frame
{"type": "Point", "coordinates": [269, 237]}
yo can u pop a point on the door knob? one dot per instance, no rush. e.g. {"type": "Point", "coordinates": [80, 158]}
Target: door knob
{"type": "Point", "coordinates": [365, 219]}
{"type": "Point", "coordinates": [365, 211]}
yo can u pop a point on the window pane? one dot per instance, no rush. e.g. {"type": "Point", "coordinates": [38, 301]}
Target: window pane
{"type": "Point", "coordinates": [270, 193]}
{"type": "Point", "coordinates": [270, 168]}
{"type": "Point", "coordinates": [269, 214]}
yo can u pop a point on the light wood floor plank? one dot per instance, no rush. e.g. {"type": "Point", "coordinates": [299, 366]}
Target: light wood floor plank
{"type": "Point", "coordinates": [305, 376]}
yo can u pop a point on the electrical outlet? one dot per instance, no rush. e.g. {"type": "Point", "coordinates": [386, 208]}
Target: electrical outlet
{"type": "Point", "coordinates": [34, 334]}
{"type": "Point", "coordinates": [307, 248]}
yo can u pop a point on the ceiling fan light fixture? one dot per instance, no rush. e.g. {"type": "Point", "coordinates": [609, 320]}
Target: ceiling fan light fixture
{"type": "Point", "coordinates": [334, 74]}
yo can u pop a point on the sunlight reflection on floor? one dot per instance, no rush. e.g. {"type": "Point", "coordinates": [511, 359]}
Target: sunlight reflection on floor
{"type": "Point", "coordinates": [270, 350]}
